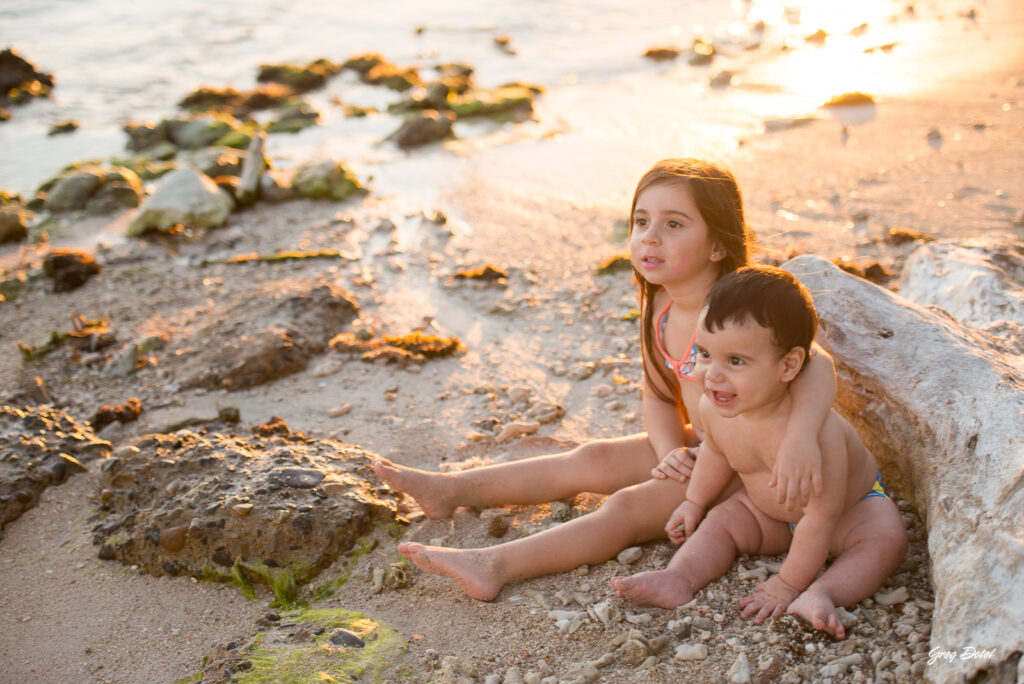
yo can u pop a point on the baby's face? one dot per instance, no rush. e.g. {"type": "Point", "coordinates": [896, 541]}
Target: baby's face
{"type": "Point", "coordinates": [740, 367]}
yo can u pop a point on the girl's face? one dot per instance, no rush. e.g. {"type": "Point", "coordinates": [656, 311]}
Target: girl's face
{"type": "Point", "coordinates": [669, 240]}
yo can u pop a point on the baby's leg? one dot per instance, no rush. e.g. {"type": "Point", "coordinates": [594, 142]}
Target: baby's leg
{"type": "Point", "coordinates": [730, 528]}
{"type": "Point", "coordinates": [869, 543]}
{"type": "Point", "coordinates": [630, 516]}
{"type": "Point", "coordinates": [602, 467]}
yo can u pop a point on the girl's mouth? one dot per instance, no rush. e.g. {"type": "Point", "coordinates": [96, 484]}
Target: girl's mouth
{"type": "Point", "coordinates": [651, 262]}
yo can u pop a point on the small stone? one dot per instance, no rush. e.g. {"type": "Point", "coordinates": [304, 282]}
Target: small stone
{"type": "Point", "coordinates": [539, 598]}
{"type": "Point", "coordinates": [377, 583]}
{"type": "Point", "coordinates": [173, 538]}
{"type": "Point", "coordinates": [633, 652]}
{"type": "Point", "coordinates": [397, 576]}
{"type": "Point", "coordinates": [344, 637]}
{"type": "Point", "coordinates": [630, 555]}
{"type": "Point", "coordinates": [893, 597]}
{"type": "Point", "coordinates": [691, 652]}
{"type": "Point", "coordinates": [513, 675]}
{"type": "Point", "coordinates": [242, 509]}
{"type": "Point", "coordinates": [739, 673]}
{"type": "Point", "coordinates": [638, 618]}
{"type": "Point", "coordinates": [561, 511]}
{"type": "Point", "coordinates": [517, 429]}
{"type": "Point", "coordinates": [840, 666]}
{"type": "Point", "coordinates": [498, 526]}
{"type": "Point", "coordinates": [340, 410]}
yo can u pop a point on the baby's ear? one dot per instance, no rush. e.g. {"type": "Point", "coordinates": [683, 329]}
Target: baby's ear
{"type": "Point", "coordinates": [792, 362]}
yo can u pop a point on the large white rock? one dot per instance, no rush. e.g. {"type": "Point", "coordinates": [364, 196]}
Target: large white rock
{"type": "Point", "coordinates": [182, 196]}
{"type": "Point", "coordinates": [941, 406]}
{"type": "Point", "coordinates": [979, 285]}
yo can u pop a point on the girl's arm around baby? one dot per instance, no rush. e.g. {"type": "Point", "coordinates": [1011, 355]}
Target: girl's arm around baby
{"type": "Point", "coordinates": [797, 471]}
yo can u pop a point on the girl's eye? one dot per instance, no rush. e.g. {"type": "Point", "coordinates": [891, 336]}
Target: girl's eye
{"type": "Point", "coordinates": [703, 354]}
{"type": "Point", "coordinates": [675, 224]}
{"type": "Point", "coordinates": [639, 222]}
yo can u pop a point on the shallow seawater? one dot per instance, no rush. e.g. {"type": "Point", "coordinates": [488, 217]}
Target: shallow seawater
{"type": "Point", "coordinates": [606, 115]}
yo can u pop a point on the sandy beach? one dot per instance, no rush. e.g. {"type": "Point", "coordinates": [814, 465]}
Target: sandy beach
{"type": "Point", "coordinates": [945, 162]}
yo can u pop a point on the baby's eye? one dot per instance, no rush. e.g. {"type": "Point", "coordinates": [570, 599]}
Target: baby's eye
{"type": "Point", "coordinates": [735, 361]}
{"type": "Point", "coordinates": [703, 354]}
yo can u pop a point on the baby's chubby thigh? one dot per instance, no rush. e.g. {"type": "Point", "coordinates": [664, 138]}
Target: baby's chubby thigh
{"type": "Point", "coordinates": [643, 509]}
{"type": "Point", "coordinates": [750, 529]}
{"type": "Point", "coordinates": [873, 521]}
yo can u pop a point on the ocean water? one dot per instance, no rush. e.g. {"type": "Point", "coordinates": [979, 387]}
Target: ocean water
{"type": "Point", "coordinates": [116, 62]}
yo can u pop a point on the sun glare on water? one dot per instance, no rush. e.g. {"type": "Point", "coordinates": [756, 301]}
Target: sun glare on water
{"type": "Point", "coordinates": [833, 48]}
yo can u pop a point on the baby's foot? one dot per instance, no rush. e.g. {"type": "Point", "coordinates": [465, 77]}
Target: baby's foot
{"type": "Point", "coordinates": [473, 573]}
{"type": "Point", "coordinates": [661, 588]}
{"type": "Point", "coordinates": [429, 489]}
{"type": "Point", "coordinates": [816, 607]}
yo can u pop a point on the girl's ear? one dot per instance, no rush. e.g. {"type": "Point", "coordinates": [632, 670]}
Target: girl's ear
{"type": "Point", "coordinates": [717, 253]}
{"type": "Point", "coordinates": [792, 362]}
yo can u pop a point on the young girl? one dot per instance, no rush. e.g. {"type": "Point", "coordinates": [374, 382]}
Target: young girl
{"type": "Point", "coordinates": [686, 231]}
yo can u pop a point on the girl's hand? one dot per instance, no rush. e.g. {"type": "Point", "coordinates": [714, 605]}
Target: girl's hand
{"type": "Point", "coordinates": [683, 521]}
{"type": "Point", "coordinates": [677, 465]}
{"type": "Point", "coordinates": [769, 600]}
{"type": "Point", "coordinates": [797, 471]}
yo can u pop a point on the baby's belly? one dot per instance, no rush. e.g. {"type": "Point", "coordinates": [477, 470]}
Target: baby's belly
{"type": "Point", "coordinates": [763, 497]}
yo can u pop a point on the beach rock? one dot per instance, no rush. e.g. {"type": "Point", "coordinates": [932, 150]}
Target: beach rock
{"type": "Point", "coordinates": [661, 54]}
{"type": "Point", "coordinates": [268, 333]}
{"type": "Point", "coordinates": [201, 131]}
{"type": "Point", "coordinates": [292, 532]}
{"type": "Point", "coordinates": [701, 53]}
{"type": "Point", "coordinates": [40, 446]}
{"type": "Point", "coordinates": [236, 103]}
{"type": "Point", "coordinates": [980, 286]}
{"type": "Point", "coordinates": [74, 189]}
{"type": "Point", "coordinates": [386, 74]}
{"type": "Point", "coordinates": [739, 672]}
{"type": "Point", "coordinates": [294, 116]}
{"type": "Point", "coordinates": [214, 161]}
{"type": "Point", "coordinates": [941, 406]}
{"type": "Point", "coordinates": [426, 127]}
{"type": "Point", "coordinates": [122, 413]}
{"type": "Point", "coordinates": [852, 99]}
{"type": "Point", "coordinates": [630, 555]}
{"type": "Point", "coordinates": [252, 170]}
{"type": "Point", "coordinates": [509, 101]}
{"type": "Point", "coordinates": [182, 196]}
{"type": "Point", "coordinates": [69, 269]}
{"type": "Point", "coordinates": [14, 218]}
{"type": "Point", "coordinates": [300, 78]}
{"type": "Point", "coordinates": [326, 179]}
{"type": "Point", "coordinates": [275, 186]}
{"type": "Point", "coordinates": [691, 652]}
{"type": "Point", "coordinates": [20, 79]}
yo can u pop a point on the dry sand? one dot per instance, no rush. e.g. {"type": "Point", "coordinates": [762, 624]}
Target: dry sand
{"type": "Point", "coordinates": [68, 617]}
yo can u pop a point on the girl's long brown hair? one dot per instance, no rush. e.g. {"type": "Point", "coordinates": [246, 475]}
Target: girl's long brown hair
{"type": "Point", "coordinates": [718, 198]}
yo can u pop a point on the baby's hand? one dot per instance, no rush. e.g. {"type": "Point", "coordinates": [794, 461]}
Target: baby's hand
{"type": "Point", "coordinates": [683, 521]}
{"type": "Point", "coordinates": [677, 465]}
{"type": "Point", "coordinates": [797, 471]}
{"type": "Point", "coordinates": [770, 600]}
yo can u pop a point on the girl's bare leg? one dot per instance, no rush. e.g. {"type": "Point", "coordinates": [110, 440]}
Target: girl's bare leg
{"type": "Point", "coordinates": [601, 466]}
{"type": "Point", "coordinates": [869, 543]}
{"type": "Point", "coordinates": [730, 528]}
{"type": "Point", "coordinates": [632, 515]}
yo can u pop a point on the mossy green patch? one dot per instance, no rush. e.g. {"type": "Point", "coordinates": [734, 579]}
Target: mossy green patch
{"type": "Point", "coordinates": [280, 580]}
{"type": "Point", "coordinates": [317, 659]}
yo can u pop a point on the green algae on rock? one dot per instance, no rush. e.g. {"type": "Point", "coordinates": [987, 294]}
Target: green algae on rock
{"type": "Point", "coordinates": [300, 78]}
{"type": "Point", "coordinates": [327, 179]}
{"type": "Point", "coordinates": [323, 644]}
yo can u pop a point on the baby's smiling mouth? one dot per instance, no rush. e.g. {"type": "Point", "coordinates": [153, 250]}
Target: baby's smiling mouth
{"type": "Point", "coordinates": [722, 398]}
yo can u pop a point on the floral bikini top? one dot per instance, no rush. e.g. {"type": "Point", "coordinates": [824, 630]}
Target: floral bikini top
{"type": "Point", "coordinates": [682, 368]}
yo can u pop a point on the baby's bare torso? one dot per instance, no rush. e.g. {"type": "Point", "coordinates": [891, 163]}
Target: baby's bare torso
{"type": "Point", "coordinates": [751, 447]}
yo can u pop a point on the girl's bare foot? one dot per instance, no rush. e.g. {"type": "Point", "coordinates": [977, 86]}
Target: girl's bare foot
{"type": "Point", "coordinates": [477, 576]}
{"type": "Point", "coordinates": [661, 588]}
{"type": "Point", "coordinates": [816, 607]}
{"type": "Point", "coordinates": [429, 489]}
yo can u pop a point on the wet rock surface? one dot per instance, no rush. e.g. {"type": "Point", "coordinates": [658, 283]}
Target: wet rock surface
{"type": "Point", "coordinates": [265, 334]}
{"type": "Point", "coordinates": [39, 447]}
{"type": "Point", "coordinates": [268, 506]}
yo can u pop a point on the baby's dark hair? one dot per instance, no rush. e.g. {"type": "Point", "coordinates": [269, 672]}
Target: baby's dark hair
{"type": "Point", "coordinates": [770, 296]}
